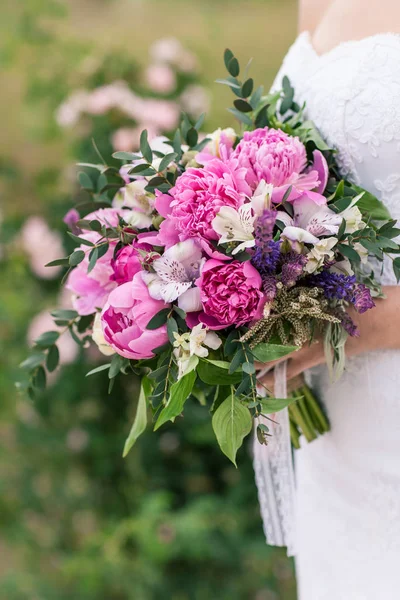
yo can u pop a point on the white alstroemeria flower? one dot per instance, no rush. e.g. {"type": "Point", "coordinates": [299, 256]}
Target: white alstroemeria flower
{"type": "Point", "coordinates": [189, 347]}
{"type": "Point", "coordinates": [235, 226]}
{"type": "Point", "coordinates": [261, 199]}
{"type": "Point", "coordinates": [200, 337]}
{"type": "Point", "coordinates": [140, 203]}
{"type": "Point", "coordinates": [321, 251]}
{"type": "Point", "coordinates": [98, 337]}
{"type": "Point", "coordinates": [175, 271]}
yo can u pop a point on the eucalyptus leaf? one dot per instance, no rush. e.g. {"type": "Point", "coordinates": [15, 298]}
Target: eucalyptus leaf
{"type": "Point", "coordinates": [159, 319]}
{"type": "Point", "coordinates": [52, 359]}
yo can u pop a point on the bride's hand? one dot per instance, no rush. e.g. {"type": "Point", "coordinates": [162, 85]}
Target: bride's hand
{"type": "Point", "coordinates": [378, 328]}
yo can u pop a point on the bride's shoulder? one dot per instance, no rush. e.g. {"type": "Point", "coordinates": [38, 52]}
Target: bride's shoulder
{"type": "Point", "coordinates": [345, 21]}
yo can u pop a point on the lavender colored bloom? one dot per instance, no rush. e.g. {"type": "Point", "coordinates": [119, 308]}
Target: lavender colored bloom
{"type": "Point", "coordinates": [348, 324]}
{"type": "Point", "coordinates": [263, 229]}
{"type": "Point", "coordinates": [343, 287]}
{"type": "Point", "coordinates": [269, 287]}
{"type": "Point", "coordinates": [266, 258]}
{"type": "Point", "coordinates": [362, 300]}
{"type": "Point", "coordinates": [292, 268]}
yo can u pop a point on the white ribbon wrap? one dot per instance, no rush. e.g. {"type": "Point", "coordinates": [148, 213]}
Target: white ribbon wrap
{"type": "Point", "coordinates": [273, 466]}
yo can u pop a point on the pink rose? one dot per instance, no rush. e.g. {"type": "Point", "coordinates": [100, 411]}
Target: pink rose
{"type": "Point", "coordinates": [128, 262]}
{"type": "Point", "coordinates": [230, 294]}
{"type": "Point", "coordinates": [281, 160]}
{"type": "Point", "coordinates": [125, 317]}
{"type": "Point", "coordinates": [197, 197]}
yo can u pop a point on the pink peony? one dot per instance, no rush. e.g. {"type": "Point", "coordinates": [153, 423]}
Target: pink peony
{"type": "Point", "coordinates": [125, 316]}
{"type": "Point", "coordinates": [281, 160]}
{"type": "Point", "coordinates": [230, 293]}
{"type": "Point", "coordinates": [197, 197]}
{"type": "Point", "coordinates": [128, 262]}
{"type": "Point", "coordinates": [161, 78]}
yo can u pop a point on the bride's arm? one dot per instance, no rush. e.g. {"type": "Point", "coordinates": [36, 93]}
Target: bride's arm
{"type": "Point", "coordinates": [311, 13]}
{"type": "Point", "coordinates": [379, 329]}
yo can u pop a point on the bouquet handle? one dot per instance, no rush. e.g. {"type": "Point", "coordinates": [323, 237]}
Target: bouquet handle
{"type": "Point", "coordinates": [274, 473]}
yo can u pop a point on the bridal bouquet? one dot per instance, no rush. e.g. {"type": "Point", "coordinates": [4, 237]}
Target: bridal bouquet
{"type": "Point", "coordinates": [202, 255]}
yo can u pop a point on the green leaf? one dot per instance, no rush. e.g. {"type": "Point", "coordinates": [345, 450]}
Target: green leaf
{"type": "Point", "coordinates": [47, 339]}
{"type": "Point", "coordinates": [85, 181]}
{"type": "Point", "coordinates": [396, 268]}
{"type": "Point", "coordinates": [76, 258]}
{"type": "Point", "coordinates": [179, 393]}
{"type": "Point", "coordinates": [53, 358]}
{"type": "Point", "coordinates": [248, 368]}
{"type": "Point", "coordinates": [159, 319]}
{"type": "Point", "coordinates": [221, 364]}
{"type": "Point", "coordinates": [95, 225]}
{"type": "Point", "coordinates": [241, 116]}
{"type": "Point", "coordinates": [370, 206]}
{"type": "Point", "coordinates": [117, 364]}
{"type": "Point", "coordinates": [80, 240]}
{"type": "Point", "coordinates": [231, 423]}
{"type": "Point", "coordinates": [172, 327]}
{"type": "Point", "coordinates": [274, 405]}
{"type": "Point", "coordinates": [102, 249]}
{"type": "Point", "coordinates": [247, 88]}
{"type": "Point", "coordinates": [181, 313]}
{"type": "Point", "coordinates": [59, 262]}
{"type": "Point", "coordinates": [267, 352]}
{"type": "Point", "coordinates": [145, 147]}
{"type": "Point", "coordinates": [242, 105]}
{"type": "Point", "coordinates": [167, 160]}
{"type": "Point", "coordinates": [349, 252]}
{"type": "Point", "coordinates": [84, 323]}
{"type": "Point", "coordinates": [69, 315]}
{"type": "Point", "coordinates": [213, 375]}
{"type": "Point", "coordinates": [228, 55]}
{"type": "Point", "coordinates": [237, 361]}
{"type": "Point", "coordinates": [33, 361]}
{"type": "Point", "coordinates": [39, 379]}
{"type": "Point", "coordinates": [191, 137]}
{"type": "Point", "coordinates": [125, 155]}
{"type": "Point", "coordinates": [98, 369]}
{"type": "Point", "coordinates": [93, 256]}
{"type": "Point", "coordinates": [233, 67]}
{"type": "Point", "coordinates": [229, 83]}
{"type": "Point", "coordinates": [140, 421]}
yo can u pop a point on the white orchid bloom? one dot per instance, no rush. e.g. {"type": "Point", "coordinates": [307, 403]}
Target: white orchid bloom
{"type": "Point", "coordinates": [261, 199]}
{"type": "Point", "coordinates": [98, 337]}
{"type": "Point", "coordinates": [200, 337]}
{"type": "Point", "coordinates": [235, 226]}
{"type": "Point", "coordinates": [317, 255]}
{"type": "Point", "coordinates": [175, 271]}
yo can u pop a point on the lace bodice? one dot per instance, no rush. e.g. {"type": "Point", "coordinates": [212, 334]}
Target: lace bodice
{"type": "Point", "coordinates": [352, 94]}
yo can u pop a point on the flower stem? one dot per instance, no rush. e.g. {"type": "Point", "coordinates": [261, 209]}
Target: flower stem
{"type": "Point", "coordinates": [315, 408]}
{"type": "Point", "coordinates": [302, 424]}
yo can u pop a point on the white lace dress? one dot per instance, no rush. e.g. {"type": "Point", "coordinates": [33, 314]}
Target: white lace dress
{"type": "Point", "coordinates": [348, 481]}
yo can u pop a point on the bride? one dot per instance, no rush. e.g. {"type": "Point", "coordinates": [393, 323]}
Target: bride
{"type": "Point", "coordinates": [346, 67]}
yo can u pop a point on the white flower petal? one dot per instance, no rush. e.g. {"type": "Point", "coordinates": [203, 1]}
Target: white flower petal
{"type": "Point", "coordinates": [172, 290]}
{"type": "Point", "coordinates": [212, 340]}
{"type": "Point", "coordinates": [190, 300]}
{"type": "Point", "coordinates": [297, 234]}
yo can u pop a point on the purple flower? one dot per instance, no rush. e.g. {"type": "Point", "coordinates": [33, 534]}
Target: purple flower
{"type": "Point", "coordinates": [348, 324]}
{"type": "Point", "coordinates": [292, 267]}
{"type": "Point", "coordinates": [263, 228]}
{"type": "Point", "coordinates": [343, 287]}
{"type": "Point", "coordinates": [265, 259]}
{"type": "Point", "coordinates": [269, 287]}
{"type": "Point", "coordinates": [362, 300]}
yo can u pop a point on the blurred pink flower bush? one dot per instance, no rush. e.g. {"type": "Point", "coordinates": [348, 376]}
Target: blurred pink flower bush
{"type": "Point", "coordinates": [42, 245]}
